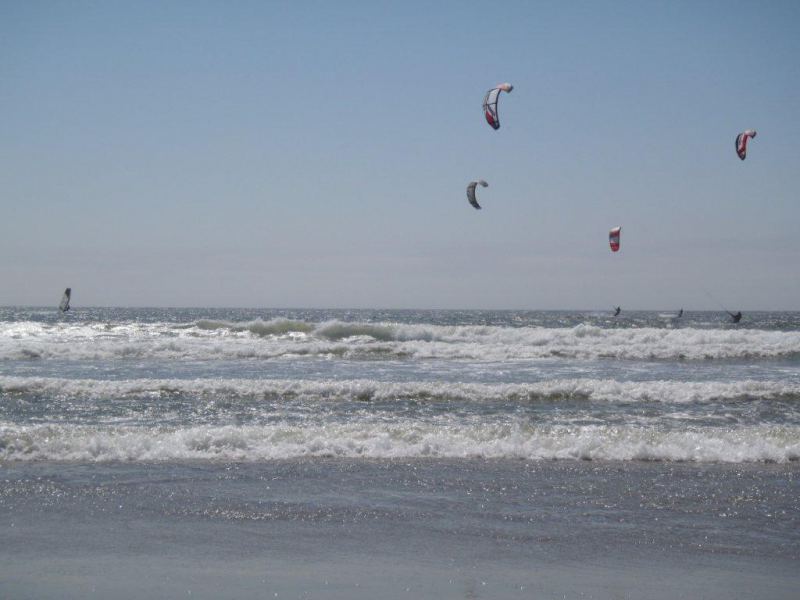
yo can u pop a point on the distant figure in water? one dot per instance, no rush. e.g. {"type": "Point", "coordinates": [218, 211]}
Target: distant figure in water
{"type": "Point", "coordinates": [64, 305]}
{"type": "Point", "coordinates": [617, 311]}
{"type": "Point", "coordinates": [735, 317]}
{"type": "Point", "coordinates": [680, 313]}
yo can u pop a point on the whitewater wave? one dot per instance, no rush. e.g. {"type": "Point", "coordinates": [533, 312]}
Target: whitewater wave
{"type": "Point", "coordinates": [281, 338]}
{"type": "Point", "coordinates": [398, 439]}
{"type": "Point", "coordinates": [258, 327]}
{"type": "Point", "coordinates": [596, 390]}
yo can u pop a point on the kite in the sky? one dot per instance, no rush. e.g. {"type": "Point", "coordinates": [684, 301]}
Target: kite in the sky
{"type": "Point", "coordinates": [741, 142]}
{"type": "Point", "coordinates": [490, 103]}
{"type": "Point", "coordinates": [471, 192]}
{"type": "Point", "coordinates": [613, 238]}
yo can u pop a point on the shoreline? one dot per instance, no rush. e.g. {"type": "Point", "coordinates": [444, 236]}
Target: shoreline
{"type": "Point", "coordinates": [397, 529]}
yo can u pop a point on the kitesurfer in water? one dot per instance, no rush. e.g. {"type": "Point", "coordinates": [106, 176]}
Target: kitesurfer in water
{"type": "Point", "coordinates": [617, 311]}
{"type": "Point", "coordinates": [735, 317]}
{"type": "Point", "coordinates": [680, 313]}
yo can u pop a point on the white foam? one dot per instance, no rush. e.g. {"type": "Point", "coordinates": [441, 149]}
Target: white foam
{"type": "Point", "coordinates": [209, 340]}
{"type": "Point", "coordinates": [397, 439]}
{"type": "Point", "coordinates": [596, 390]}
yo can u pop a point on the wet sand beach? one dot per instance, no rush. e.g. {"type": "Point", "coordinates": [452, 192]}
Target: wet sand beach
{"type": "Point", "coordinates": [329, 528]}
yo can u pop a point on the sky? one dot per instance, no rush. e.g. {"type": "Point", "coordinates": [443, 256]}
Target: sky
{"type": "Point", "coordinates": [316, 154]}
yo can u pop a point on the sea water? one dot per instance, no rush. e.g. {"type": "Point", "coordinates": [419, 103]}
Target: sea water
{"type": "Point", "coordinates": [157, 385]}
{"type": "Point", "coordinates": [501, 438]}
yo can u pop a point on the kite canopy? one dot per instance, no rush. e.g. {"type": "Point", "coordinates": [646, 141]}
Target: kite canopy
{"type": "Point", "coordinates": [613, 238]}
{"type": "Point", "coordinates": [490, 103]}
{"type": "Point", "coordinates": [741, 142]}
{"type": "Point", "coordinates": [471, 192]}
{"type": "Point", "coordinates": [64, 304]}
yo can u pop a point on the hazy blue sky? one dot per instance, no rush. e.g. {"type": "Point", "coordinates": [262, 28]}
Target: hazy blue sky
{"type": "Point", "coordinates": [316, 154]}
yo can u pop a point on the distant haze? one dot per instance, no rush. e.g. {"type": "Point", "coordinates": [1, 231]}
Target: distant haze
{"type": "Point", "coordinates": [314, 154]}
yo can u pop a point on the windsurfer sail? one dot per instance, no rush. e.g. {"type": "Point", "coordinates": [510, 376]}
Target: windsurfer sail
{"type": "Point", "coordinates": [64, 304]}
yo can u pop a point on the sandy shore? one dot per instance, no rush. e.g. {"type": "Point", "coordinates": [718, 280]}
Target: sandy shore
{"type": "Point", "coordinates": [422, 529]}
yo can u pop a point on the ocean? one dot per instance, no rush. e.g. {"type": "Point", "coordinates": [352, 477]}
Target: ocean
{"type": "Point", "coordinates": [398, 453]}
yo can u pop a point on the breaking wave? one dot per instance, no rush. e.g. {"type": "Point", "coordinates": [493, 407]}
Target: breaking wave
{"type": "Point", "coordinates": [397, 439]}
{"type": "Point", "coordinates": [278, 338]}
{"type": "Point", "coordinates": [257, 327]}
{"type": "Point", "coordinates": [596, 390]}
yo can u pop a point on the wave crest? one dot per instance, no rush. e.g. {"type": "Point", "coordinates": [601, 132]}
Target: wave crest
{"type": "Point", "coordinates": [396, 440]}
{"type": "Point", "coordinates": [257, 327]}
{"type": "Point", "coordinates": [212, 340]}
{"type": "Point", "coordinates": [596, 390]}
